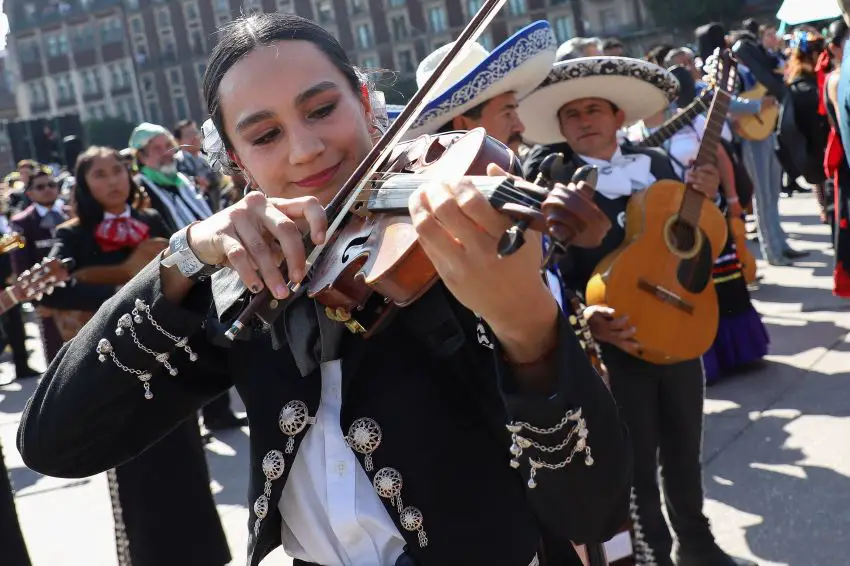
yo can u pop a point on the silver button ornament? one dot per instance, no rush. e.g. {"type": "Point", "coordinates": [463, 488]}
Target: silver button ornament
{"type": "Point", "coordinates": [103, 347]}
{"type": "Point", "coordinates": [387, 483]}
{"type": "Point", "coordinates": [294, 418]}
{"type": "Point", "coordinates": [274, 465]}
{"type": "Point", "coordinates": [364, 437]}
{"type": "Point", "coordinates": [411, 520]}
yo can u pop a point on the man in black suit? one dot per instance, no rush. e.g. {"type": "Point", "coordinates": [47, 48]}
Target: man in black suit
{"type": "Point", "coordinates": [37, 224]}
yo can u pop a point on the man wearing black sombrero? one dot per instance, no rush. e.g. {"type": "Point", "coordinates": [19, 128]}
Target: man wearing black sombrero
{"type": "Point", "coordinates": [483, 88]}
{"type": "Point", "coordinates": [584, 103]}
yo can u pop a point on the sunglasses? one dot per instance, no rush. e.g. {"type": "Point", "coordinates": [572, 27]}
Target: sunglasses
{"type": "Point", "coordinates": [43, 186]}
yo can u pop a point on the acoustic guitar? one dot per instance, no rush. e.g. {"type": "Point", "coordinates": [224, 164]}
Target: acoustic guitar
{"type": "Point", "coordinates": [70, 322]}
{"type": "Point", "coordinates": [39, 280]}
{"type": "Point", "coordinates": [661, 275]}
{"type": "Point", "coordinates": [684, 118]}
{"type": "Point", "coordinates": [759, 126]}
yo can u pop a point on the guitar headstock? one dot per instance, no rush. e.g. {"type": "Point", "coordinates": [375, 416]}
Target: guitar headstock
{"type": "Point", "coordinates": [726, 71]}
{"type": "Point", "coordinates": [41, 279]}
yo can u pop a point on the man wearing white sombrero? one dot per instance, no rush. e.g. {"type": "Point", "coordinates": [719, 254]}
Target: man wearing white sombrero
{"type": "Point", "coordinates": [583, 103]}
{"type": "Point", "coordinates": [483, 88]}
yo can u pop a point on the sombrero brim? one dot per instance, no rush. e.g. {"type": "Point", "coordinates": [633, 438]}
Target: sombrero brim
{"type": "Point", "coordinates": [639, 88]}
{"type": "Point", "coordinates": [518, 65]}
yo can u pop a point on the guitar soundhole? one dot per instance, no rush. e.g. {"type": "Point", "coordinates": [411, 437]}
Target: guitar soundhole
{"type": "Point", "coordinates": [683, 236]}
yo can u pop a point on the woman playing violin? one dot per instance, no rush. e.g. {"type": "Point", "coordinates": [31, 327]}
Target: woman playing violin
{"type": "Point", "coordinates": [471, 430]}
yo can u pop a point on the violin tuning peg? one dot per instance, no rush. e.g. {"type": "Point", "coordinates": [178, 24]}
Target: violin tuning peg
{"type": "Point", "coordinates": [511, 241]}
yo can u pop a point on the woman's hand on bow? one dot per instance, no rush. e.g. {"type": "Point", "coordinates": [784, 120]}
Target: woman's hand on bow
{"type": "Point", "coordinates": [459, 230]}
{"type": "Point", "coordinates": [256, 235]}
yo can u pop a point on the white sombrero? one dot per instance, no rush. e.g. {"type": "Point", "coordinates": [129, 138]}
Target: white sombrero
{"type": "Point", "coordinates": [639, 88]}
{"type": "Point", "coordinates": [517, 65]}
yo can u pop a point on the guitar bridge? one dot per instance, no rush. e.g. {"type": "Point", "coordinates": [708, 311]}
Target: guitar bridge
{"type": "Point", "coordinates": [666, 296]}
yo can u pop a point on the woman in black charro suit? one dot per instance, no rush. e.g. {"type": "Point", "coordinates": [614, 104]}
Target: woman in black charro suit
{"type": "Point", "coordinates": [149, 493]}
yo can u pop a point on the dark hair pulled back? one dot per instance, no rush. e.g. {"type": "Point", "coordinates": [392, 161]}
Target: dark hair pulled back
{"type": "Point", "coordinates": [89, 211]}
{"type": "Point", "coordinates": [244, 35]}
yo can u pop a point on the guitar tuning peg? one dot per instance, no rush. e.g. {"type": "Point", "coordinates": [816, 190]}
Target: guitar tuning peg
{"type": "Point", "coordinates": [49, 290]}
{"type": "Point", "coordinates": [39, 296]}
{"type": "Point", "coordinates": [36, 267]}
{"type": "Point", "coordinates": [61, 284]}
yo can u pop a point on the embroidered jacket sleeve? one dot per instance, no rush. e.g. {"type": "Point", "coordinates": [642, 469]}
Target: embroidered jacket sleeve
{"type": "Point", "coordinates": [139, 368]}
{"type": "Point", "coordinates": [570, 447]}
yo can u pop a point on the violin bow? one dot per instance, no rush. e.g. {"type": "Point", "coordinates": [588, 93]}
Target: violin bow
{"type": "Point", "coordinates": [351, 189]}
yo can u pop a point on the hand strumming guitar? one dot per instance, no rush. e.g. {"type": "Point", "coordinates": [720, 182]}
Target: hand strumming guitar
{"type": "Point", "coordinates": [607, 326]}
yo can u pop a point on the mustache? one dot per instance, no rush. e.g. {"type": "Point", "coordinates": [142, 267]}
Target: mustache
{"type": "Point", "coordinates": [514, 138]}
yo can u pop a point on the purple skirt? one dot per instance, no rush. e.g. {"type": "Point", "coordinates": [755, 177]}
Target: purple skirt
{"type": "Point", "coordinates": [741, 339]}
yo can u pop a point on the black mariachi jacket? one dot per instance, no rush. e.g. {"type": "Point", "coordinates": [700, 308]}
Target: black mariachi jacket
{"type": "Point", "coordinates": [578, 264]}
{"type": "Point", "coordinates": [443, 422]}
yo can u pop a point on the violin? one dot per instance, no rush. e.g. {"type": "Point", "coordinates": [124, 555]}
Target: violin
{"type": "Point", "coordinates": [371, 255]}
{"type": "Point", "coordinates": [375, 249]}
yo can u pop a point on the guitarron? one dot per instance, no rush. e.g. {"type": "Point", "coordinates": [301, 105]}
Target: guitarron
{"type": "Point", "coordinates": [661, 275]}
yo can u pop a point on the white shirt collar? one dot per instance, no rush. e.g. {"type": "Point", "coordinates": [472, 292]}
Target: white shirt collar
{"type": "Point", "coordinates": [58, 206]}
{"type": "Point", "coordinates": [110, 216]}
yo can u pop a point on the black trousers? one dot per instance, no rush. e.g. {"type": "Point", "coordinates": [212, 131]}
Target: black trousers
{"type": "Point", "coordinates": [13, 327]}
{"type": "Point", "coordinates": [662, 405]}
{"type": "Point", "coordinates": [12, 546]}
{"type": "Point", "coordinates": [218, 408]}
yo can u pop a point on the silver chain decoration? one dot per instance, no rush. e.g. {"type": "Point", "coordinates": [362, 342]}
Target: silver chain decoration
{"type": "Point", "coordinates": [579, 432]}
{"type": "Point", "coordinates": [388, 483]}
{"type": "Point", "coordinates": [104, 348]}
{"type": "Point", "coordinates": [161, 357]}
{"type": "Point", "coordinates": [180, 342]}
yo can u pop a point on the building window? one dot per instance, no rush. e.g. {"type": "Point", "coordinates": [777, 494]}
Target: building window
{"type": "Point", "coordinates": [65, 89]}
{"type": "Point", "coordinates": [29, 11]}
{"type": "Point", "coordinates": [517, 7]}
{"type": "Point", "coordinates": [437, 19]}
{"type": "Point", "coordinates": [111, 30]}
{"type": "Point", "coordinates": [364, 36]}
{"type": "Point", "coordinates": [190, 10]}
{"type": "Point", "coordinates": [404, 60]}
{"type": "Point", "coordinates": [148, 84]}
{"type": "Point", "coordinates": [163, 18]}
{"type": "Point", "coordinates": [132, 4]}
{"type": "Point", "coordinates": [136, 25]}
{"type": "Point", "coordinates": [368, 63]}
{"type": "Point", "coordinates": [563, 28]}
{"type": "Point", "coordinates": [399, 26]}
{"type": "Point", "coordinates": [222, 6]}
{"type": "Point", "coordinates": [357, 6]}
{"type": "Point", "coordinates": [175, 78]}
{"type": "Point", "coordinates": [397, 3]}
{"type": "Point", "coordinates": [253, 7]}
{"type": "Point", "coordinates": [181, 109]}
{"type": "Point", "coordinates": [284, 6]}
{"type": "Point", "coordinates": [57, 45]}
{"type": "Point", "coordinates": [325, 11]}
{"type": "Point", "coordinates": [608, 19]}
{"type": "Point", "coordinates": [472, 7]}
{"type": "Point", "coordinates": [153, 112]}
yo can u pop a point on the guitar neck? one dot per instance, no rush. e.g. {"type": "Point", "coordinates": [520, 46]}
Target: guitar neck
{"type": "Point", "coordinates": [707, 153]}
{"type": "Point", "coordinates": [8, 298]}
{"type": "Point", "coordinates": [669, 128]}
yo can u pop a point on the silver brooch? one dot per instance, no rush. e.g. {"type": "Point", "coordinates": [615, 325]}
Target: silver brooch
{"type": "Point", "coordinates": [294, 418]}
{"type": "Point", "coordinates": [364, 437]}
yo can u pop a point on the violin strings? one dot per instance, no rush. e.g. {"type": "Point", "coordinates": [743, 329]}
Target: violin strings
{"type": "Point", "coordinates": [521, 197]}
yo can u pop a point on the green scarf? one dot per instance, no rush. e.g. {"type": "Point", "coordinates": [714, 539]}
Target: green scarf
{"type": "Point", "coordinates": [161, 179]}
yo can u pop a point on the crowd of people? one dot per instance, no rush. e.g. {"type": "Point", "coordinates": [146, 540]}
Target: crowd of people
{"type": "Point", "coordinates": [480, 403]}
